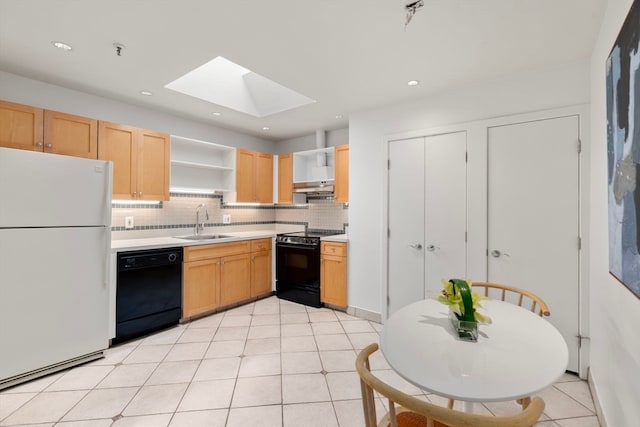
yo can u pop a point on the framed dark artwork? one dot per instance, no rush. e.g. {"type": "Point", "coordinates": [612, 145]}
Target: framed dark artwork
{"type": "Point", "coordinates": [623, 152]}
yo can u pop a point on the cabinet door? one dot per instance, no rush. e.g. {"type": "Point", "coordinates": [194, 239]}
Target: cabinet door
{"type": "Point", "coordinates": [235, 278]}
{"type": "Point", "coordinates": [260, 273]}
{"type": "Point", "coordinates": [118, 144]}
{"type": "Point", "coordinates": [153, 165]}
{"type": "Point", "coordinates": [245, 176]}
{"type": "Point", "coordinates": [200, 288]}
{"type": "Point", "coordinates": [333, 280]}
{"type": "Point", "coordinates": [285, 178]}
{"type": "Point", "coordinates": [264, 177]}
{"type": "Point", "coordinates": [70, 135]}
{"type": "Point", "coordinates": [20, 126]}
{"type": "Point", "coordinates": [342, 173]}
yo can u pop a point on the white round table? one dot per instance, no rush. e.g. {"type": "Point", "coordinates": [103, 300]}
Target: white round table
{"type": "Point", "coordinates": [516, 356]}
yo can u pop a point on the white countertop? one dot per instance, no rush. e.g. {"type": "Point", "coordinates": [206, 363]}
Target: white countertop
{"type": "Point", "coordinates": [143, 243]}
{"type": "Point", "coordinates": [343, 238]}
{"type": "Point", "coordinates": [166, 242]}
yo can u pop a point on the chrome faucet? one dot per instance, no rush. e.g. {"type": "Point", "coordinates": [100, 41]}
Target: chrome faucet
{"type": "Point", "coordinates": [200, 227]}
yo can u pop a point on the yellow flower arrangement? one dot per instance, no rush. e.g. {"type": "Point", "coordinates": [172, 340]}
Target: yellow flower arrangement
{"type": "Point", "coordinates": [462, 301]}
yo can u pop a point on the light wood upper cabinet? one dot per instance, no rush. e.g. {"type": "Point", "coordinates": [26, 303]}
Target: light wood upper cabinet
{"type": "Point", "coordinates": [21, 126]}
{"type": "Point", "coordinates": [140, 161]}
{"type": "Point", "coordinates": [264, 178]}
{"type": "Point", "coordinates": [118, 144]}
{"type": "Point", "coordinates": [341, 189]}
{"type": "Point", "coordinates": [245, 176]}
{"type": "Point", "coordinates": [254, 176]}
{"type": "Point", "coordinates": [285, 178]}
{"type": "Point", "coordinates": [333, 273]}
{"type": "Point", "coordinates": [153, 165]}
{"type": "Point", "coordinates": [29, 128]}
{"type": "Point", "coordinates": [70, 135]}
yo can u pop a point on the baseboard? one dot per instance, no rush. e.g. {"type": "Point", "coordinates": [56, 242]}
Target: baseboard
{"type": "Point", "coordinates": [596, 400]}
{"type": "Point", "coordinates": [37, 373]}
{"type": "Point", "coordinates": [364, 314]}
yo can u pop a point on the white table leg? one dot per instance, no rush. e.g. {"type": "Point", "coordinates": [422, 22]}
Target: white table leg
{"type": "Point", "coordinates": [468, 406]}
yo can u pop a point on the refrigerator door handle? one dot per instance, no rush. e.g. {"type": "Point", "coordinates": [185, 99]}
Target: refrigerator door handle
{"type": "Point", "coordinates": [108, 176]}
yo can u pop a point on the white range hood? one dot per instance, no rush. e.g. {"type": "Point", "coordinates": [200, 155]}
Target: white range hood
{"type": "Point", "coordinates": [313, 170]}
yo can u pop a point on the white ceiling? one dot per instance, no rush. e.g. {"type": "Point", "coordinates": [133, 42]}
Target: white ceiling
{"type": "Point", "coordinates": [348, 55]}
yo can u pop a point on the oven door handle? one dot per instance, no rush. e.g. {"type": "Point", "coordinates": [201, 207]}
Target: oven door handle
{"type": "Point", "coordinates": [302, 247]}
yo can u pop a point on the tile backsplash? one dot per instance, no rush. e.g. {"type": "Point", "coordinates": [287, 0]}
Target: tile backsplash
{"type": "Point", "coordinates": [180, 212]}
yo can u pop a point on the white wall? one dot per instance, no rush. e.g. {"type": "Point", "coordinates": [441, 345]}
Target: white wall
{"type": "Point", "coordinates": [528, 91]}
{"type": "Point", "coordinates": [308, 142]}
{"type": "Point", "coordinates": [39, 94]}
{"type": "Point", "coordinates": [615, 311]}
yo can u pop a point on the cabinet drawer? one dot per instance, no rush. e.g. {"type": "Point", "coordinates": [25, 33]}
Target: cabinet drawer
{"type": "Point", "coordinates": [260, 245]}
{"type": "Point", "coordinates": [333, 248]}
{"type": "Point", "coordinates": [195, 253]}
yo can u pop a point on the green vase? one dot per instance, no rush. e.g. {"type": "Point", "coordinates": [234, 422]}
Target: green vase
{"type": "Point", "coordinates": [465, 325]}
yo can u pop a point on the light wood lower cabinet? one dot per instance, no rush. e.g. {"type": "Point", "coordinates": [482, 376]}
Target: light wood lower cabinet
{"type": "Point", "coordinates": [201, 287]}
{"type": "Point", "coordinates": [222, 274]}
{"type": "Point", "coordinates": [333, 273]}
{"type": "Point", "coordinates": [235, 278]}
{"type": "Point", "coordinates": [260, 267]}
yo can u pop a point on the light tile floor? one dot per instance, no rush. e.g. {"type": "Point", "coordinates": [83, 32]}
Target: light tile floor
{"type": "Point", "coordinates": [269, 363]}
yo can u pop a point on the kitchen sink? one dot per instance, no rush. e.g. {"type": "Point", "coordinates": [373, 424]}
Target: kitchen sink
{"type": "Point", "coordinates": [203, 237]}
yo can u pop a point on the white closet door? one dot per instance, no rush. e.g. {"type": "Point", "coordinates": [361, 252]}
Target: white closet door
{"type": "Point", "coordinates": [533, 225]}
{"type": "Point", "coordinates": [445, 209]}
{"type": "Point", "coordinates": [427, 216]}
{"type": "Point", "coordinates": [406, 223]}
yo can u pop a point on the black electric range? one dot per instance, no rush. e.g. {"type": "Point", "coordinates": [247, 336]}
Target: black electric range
{"type": "Point", "coordinates": [298, 266]}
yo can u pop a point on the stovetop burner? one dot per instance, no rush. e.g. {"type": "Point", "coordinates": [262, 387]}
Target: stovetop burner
{"type": "Point", "coordinates": [306, 238]}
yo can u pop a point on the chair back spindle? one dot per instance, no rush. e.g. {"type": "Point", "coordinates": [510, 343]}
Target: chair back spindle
{"type": "Point", "coordinates": [509, 293]}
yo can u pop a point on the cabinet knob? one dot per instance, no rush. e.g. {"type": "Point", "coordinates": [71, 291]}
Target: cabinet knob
{"type": "Point", "coordinates": [38, 144]}
{"type": "Point", "coordinates": [134, 194]}
{"type": "Point", "coordinates": [48, 145]}
{"type": "Point", "coordinates": [140, 194]}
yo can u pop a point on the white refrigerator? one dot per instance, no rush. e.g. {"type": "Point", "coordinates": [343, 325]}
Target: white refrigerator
{"type": "Point", "coordinates": [55, 242]}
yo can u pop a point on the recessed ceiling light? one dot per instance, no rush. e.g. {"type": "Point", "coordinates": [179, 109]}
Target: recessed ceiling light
{"type": "Point", "coordinates": [62, 46]}
{"type": "Point", "coordinates": [413, 82]}
{"type": "Point", "coordinates": [338, 116]}
{"type": "Point", "coordinates": [265, 128]}
{"type": "Point", "coordinates": [146, 93]}
{"type": "Point", "coordinates": [217, 113]}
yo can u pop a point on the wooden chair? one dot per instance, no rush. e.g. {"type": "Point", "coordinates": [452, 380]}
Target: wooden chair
{"type": "Point", "coordinates": [414, 412]}
{"type": "Point", "coordinates": [522, 298]}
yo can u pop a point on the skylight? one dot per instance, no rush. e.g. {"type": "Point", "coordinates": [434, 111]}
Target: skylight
{"type": "Point", "coordinates": [228, 84]}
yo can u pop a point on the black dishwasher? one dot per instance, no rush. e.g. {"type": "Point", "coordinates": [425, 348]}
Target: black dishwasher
{"type": "Point", "coordinates": [148, 291]}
